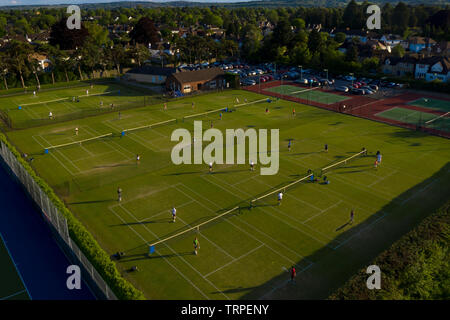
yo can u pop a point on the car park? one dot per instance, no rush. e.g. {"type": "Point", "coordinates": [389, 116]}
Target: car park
{"type": "Point", "coordinates": [342, 89]}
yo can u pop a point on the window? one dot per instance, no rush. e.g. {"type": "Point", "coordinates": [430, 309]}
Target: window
{"type": "Point", "coordinates": [212, 84]}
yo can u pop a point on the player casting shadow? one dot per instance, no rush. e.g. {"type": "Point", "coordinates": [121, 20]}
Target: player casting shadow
{"type": "Point", "coordinates": [173, 255]}
{"type": "Point", "coordinates": [234, 290]}
{"type": "Point", "coordinates": [182, 173]}
{"type": "Point", "coordinates": [228, 171]}
{"type": "Point", "coordinates": [115, 165]}
{"type": "Point", "coordinates": [92, 201]}
{"type": "Point", "coordinates": [162, 220]}
{"type": "Point", "coordinates": [343, 226]}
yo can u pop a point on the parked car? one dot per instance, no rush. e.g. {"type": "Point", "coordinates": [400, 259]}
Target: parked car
{"type": "Point", "coordinates": [341, 89]}
{"type": "Point", "coordinates": [248, 82]}
{"type": "Point", "coordinates": [349, 78]}
{"type": "Point", "coordinates": [301, 81]}
{"type": "Point", "coordinates": [373, 87]}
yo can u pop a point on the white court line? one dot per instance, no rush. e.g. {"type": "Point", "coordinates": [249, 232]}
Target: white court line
{"type": "Point", "coordinates": [249, 234]}
{"type": "Point", "coordinates": [167, 211]}
{"type": "Point", "coordinates": [360, 230]}
{"type": "Point", "coordinates": [180, 257]}
{"type": "Point", "coordinates": [56, 158]}
{"type": "Point", "coordinates": [12, 295]}
{"type": "Point", "coordinates": [60, 153]}
{"type": "Point", "coordinates": [283, 283]}
{"type": "Point", "coordinates": [165, 259]}
{"type": "Point", "coordinates": [324, 210]}
{"type": "Point", "coordinates": [210, 241]}
{"type": "Point", "coordinates": [234, 260]}
{"type": "Point", "coordinates": [274, 216]}
{"type": "Point", "coordinates": [420, 191]}
{"type": "Point", "coordinates": [144, 195]}
{"type": "Point", "coordinates": [381, 179]}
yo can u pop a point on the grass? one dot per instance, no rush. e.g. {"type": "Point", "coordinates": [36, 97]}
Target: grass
{"type": "Point", "coordinates": [435, 104]}
{"type": "Point", "coordinates": [34, 110]}
{"type": "Point", "coordinates": [12, 287]}
{"type": "Point", "coordinates": [416, 117]}
{"type": "Point", "coordinates": [313, 94]}
{"type": "Point", "coordinates": [244, 255]}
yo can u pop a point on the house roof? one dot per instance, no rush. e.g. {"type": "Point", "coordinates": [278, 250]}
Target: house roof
{"type": "Point", "coordinates": [198, 75]}
{"type": "Point", "coordinates": [153, 70]}
{"type": "Point", "coordinates": [420, 40]}
{"type": "Point", "coordinates": [395, 60]}
{"type": "Point", "coordinates": [445, 62]}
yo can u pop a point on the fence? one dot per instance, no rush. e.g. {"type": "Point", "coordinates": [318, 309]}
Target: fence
{"type": "Point", "coordinates": [58, 223]}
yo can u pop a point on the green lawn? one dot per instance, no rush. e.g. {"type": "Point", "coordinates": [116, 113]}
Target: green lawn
{"type": "Point", "coordinates": [435, 104]}
{"type": "Point", "coordinates": [308, 94]}
{"type": "Point", "coordinates": [12, 287]}
{"type": "Point", "coordinates": [34, 109]}
{"type": "Point", "coordinates": [417, 118]}
{"type": "Point", "coordinates": [244, 255]}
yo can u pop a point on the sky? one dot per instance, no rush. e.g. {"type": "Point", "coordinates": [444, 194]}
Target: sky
{"type": "Point", "coordinates": [45, 2]}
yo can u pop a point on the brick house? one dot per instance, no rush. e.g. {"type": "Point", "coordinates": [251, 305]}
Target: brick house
{"type": "Point", "coordinates": [190, 81]}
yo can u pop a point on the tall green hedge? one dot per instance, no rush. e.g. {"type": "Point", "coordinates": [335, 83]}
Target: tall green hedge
{"type": "Point", "coordinates": [415, 267]}
{"type": "Point", "coordinates": [85, 241]}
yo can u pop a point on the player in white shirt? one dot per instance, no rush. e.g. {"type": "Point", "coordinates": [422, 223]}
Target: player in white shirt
{"type": "Point", "coordinates": [34, 93]}
{"type": "Point", "coordinates": [87, 92]}
{"type": "Point", "coordinates": [174, 214]}
{"type": "Point", "coordinates": [138, 159]}
{"type": "Point", "coordinates": [252, 166]}
{"type": "Point", "coordinates": [50, 115]}
{"type": "Point", "coordinates": [210, 167]}
{"type": "Point", "coordinates": [76, 131]}
{"type": "Point", "coordinates": [280, 197]}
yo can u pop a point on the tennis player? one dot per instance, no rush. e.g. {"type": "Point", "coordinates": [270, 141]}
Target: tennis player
{"type": "Point", "coordinates": [289, 146]}
{"type": "Point", "coordinates": [76, 131]}
{"type": "Point", "coordinates": [293, 112]}
{"type": "Point", "coordinates": [50, 115]}
{"type": "Point", "coordinates": [280, 197]}
{"type": "Point", "coordinates": [119, 194]}
{"type": "Point", "coordinates": [174, 214]}
{"type": "Point", "coordinates": [210, 167]}
{"type": "Point", "coordinates": [326, 147]}
{"type": "Point", "coordinates": [379, 157]}
{"type": "Point", "coordinates": [352, 216]}
{"type": "Point", "coordinates": [196, 246]}
{"type": "Point", "coordinates": [252, 166]}
{"type": "Point", "coordinates": [138, 159]}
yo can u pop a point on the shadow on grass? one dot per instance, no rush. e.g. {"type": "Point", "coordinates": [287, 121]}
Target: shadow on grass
{"type": "Point", "coordinates": [92, 201]}
{"type": "Point", "coordinates": [330, 266]}
{"type": "Point", "coordinates": [163, 220]}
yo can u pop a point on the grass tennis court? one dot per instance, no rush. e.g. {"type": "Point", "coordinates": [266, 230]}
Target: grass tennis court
{"type": "Point", "coordinates": [31, 110]}
{"type": "Point", "coordinates": [415, 117]}
{"type": "Point", "coordinates": [313, 94]}
{"type": "Point", "coordinates": [432, 103]}
{"type": "Point", "coordinates": [244, 254]}
{"type": "Point", "coordinates": [12, 287]}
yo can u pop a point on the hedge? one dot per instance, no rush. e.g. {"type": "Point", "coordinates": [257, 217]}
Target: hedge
{"type": "Point", "coordinates": [415, 267]}
{"type": "Point", "coordinates": [85, 241]}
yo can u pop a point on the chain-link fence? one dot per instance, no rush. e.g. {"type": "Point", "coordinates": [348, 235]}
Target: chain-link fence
{"type": "Point", "coordinates": [58, 223]}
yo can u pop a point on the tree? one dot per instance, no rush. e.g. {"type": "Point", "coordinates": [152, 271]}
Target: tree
{"type": "Point", "coordinates": [4, 68]}
{"type": "Point", "coordinates": [398, 51]}
{"type": "Point", "coordinates": [18, 53]}
{"type": "Point", "coordinates": [315, 41]}
{"type": "Point", "coordinates": [145, 32]}
{"type": "Point", "coordinates": [340, 37]}
{"type": "Point", "coordinates": [65, 38]}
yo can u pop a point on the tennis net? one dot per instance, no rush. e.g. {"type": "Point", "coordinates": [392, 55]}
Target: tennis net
{"type": "Point", "coordinates": [341, 162]}
{"type": "Point", "coordinates": [149, 126]}
{"type": "Point", "coordinates": [222, 109]}
{"type": "Point", "coordinates": [437, 118]}
{"type": "Point", "coordinates": [194, 228]}
{"type": "Point", "coordinates": [47, 149]}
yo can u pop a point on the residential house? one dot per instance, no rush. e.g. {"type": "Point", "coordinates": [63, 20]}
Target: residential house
{"type": "Point", "coordinates": [149, 74]}
{"type": "Point", "coordinates": [417, 44]}
{"type": "Point", "coordinates": [399, 67]}
{"type": "Point", "coordinates": [43, 62]}
{"type": "Point", "coordinates": [190, 81]}
{"type": "Point", "coordinates": [433, 68]}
